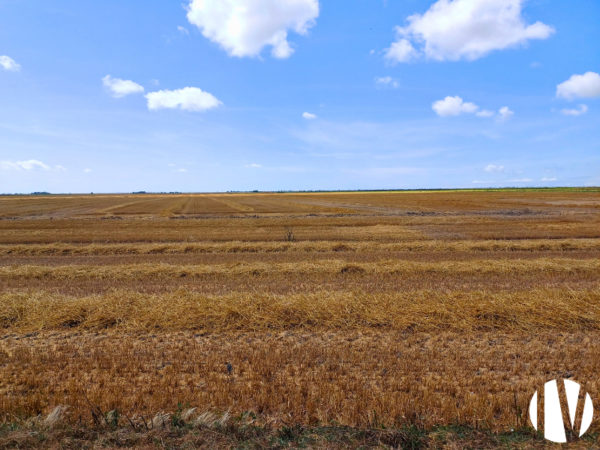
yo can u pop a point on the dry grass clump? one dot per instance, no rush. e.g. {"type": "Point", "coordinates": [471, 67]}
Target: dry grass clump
{"type": "Point", "coordinates": [527, 245]}
{"type": "Point", "coordinates": [119, 272]}
{"type": "Point", "coordinates": [430, 311]}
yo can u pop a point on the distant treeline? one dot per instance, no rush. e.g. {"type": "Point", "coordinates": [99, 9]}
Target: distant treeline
{"type": "Point", "coordinates": [256, 191]}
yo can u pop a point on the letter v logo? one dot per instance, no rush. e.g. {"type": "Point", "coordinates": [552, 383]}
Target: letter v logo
{"type": "Point", "coordinates": [554, 422]}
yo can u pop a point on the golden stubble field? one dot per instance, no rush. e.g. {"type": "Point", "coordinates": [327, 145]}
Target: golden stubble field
{"type": "Point", "coordinates": [360, 309]}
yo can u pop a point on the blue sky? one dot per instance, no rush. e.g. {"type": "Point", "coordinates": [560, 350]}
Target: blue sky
{"type": "Point", "coordinates": [397, 94]}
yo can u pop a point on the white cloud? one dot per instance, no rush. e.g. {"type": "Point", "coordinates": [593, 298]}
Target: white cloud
{"type": "Point", "coordinates": [505, 113]}
{"type": "Point", "coordinates": [581, 109]}
{"type": "Point", "coordinates": [493, 168]}
{"type": "Point", "coordinates": [484, 113]}
{"type": "Point", "coordinates": [386, 82]}
{"type": "Point", "coordinates": [183, 30]}
{"type": "Point", "coordinates": [254, 165]}
{"type": "Point", "coordinates": [453, 106]}
{"type": "Point", "coordinates": [182, 170]}
{"type": "Point", "coordinates": [401, 51]}
{"type": "Point", "coordinates": [549, 179]}
{"type": "Point", "coordinates": [7, 63]}
{"type": "Point", "coordinates": [188, 99]}
{"type": "Point", "coordinates": [29, 164]}
{"type": "Point", "coordinates": [309, 116]}
{"type": "Point", "coordinates": [87, 170]}
{"type": "Point", "coordinates": [245, 27]}
{"type": "Point", "coordinates": [464, 29]}
{"type": "Point", "coordinates": [120, 88]}
{"type": "Point", "coordinates": [580, 86]}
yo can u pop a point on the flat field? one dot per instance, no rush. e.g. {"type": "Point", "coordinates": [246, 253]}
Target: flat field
{"type": "Point", "coordinates": [423, 318]}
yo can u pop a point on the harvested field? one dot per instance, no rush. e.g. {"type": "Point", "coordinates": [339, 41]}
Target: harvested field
{"type": "Point", "coordinates": [410, 310]}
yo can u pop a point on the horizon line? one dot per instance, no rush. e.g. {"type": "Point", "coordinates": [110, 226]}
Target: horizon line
{"type": "Point", "coordinates": [299, 191]}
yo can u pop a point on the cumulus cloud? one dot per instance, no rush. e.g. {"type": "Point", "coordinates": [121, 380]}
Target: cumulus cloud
{"type": "Point", "coordinates": [453, 106]}
{"type": "Point", "coordinates": [493, 168]}
{"type": "Point", "coordinates": [309, 116]}
{"type": "Point", "coordinates": [187, 99]}
{"type": "Point", "coordinates": [464, 29]}
{"type": "Point", "coordinates": [7, 63]}
{"type": "Point", "coordinates": [401, 51]}
{"type": "Point", "coordinates": [581, 109]}
{"type": "Point", "coordinates": [386, 82]}
{"type": "Point", "coordinates": [505, 113]}
{"type": "Point", "coordinates": [120, 88]}
{"type": "Point", "coordinates": [245, 27]}
{"type": "Point", "coordinates": [29, 164]}
{"type": "Point", "coordinates": [580, 86]}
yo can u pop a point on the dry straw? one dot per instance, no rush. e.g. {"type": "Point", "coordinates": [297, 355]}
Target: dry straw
{"type": "Point", "coordinates": [558, 309]}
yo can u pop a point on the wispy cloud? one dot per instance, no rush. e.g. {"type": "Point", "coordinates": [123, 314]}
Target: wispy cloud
{"type": "Point", "coordinates": [385, 171]}
{"type": "Point", "coordinates": [30, 164]}
{"type": "Point", "coordinates": [386, 82]}
{"type": "Point", "coordinates": [309, 116]}
{"type": "Point", "coordinates": [493, 168]}
{"type": "Point", "coordinates": [580, 110]}
{"type": "Point", "coordinates": [520, 180]}
{"type": "Point", "coordinates": [406, 139]}
{"type": "Point", "coordinates": [484, 113]}
{"type": "Point", "coordinates": [505, 182]}
{"type": "Point", "coordinates": [505, 113]}
{"type": "Point", "coordinates": [120, 88]}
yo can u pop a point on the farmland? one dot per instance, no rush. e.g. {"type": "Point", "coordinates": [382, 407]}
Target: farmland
{"type": "Point", "coordinates": [421, 310]}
